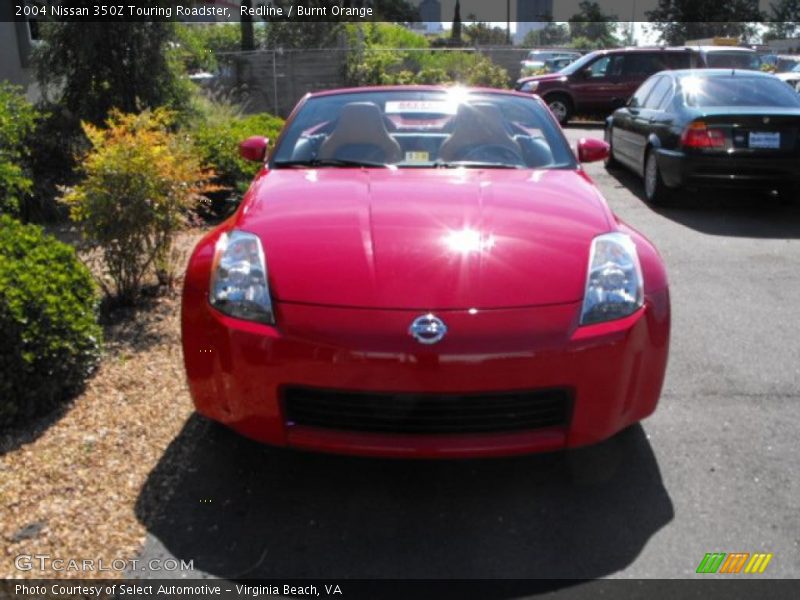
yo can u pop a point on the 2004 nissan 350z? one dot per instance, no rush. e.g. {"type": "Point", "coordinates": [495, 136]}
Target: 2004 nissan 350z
{"type": "Point", "coordinates": [429, 272]}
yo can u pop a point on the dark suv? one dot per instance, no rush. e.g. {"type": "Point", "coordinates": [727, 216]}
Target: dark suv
{"type": "Point", "coordinates": [602, 81]}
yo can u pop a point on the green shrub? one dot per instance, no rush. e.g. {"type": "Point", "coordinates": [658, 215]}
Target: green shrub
{"type": "Point", "coordinates": [48, 327]}
{"type": "Point", "coordinates": [17, 122]}
{"type": "Point", "coordinates": [384, 54]}
{"type": "Point", "coordinates": [198, 43]}
{"type": "Point", "coordinates": [217, 134]}
{"type": "Point", "coordinates": [141, 183]}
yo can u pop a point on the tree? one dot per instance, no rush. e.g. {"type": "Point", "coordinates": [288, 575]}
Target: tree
{"type": "Point", "coordinates": [248, 38]}
{"type": "Point", "coordinates": [455, 32]}
{"type": "Point", "coordinates": [594, 25]}
{"type": "Point", "coordinates": [680, 20]}
{"type": "Point", "coordinates": [553, 34]}
{"type": "Point", "coordinates": [485, 34]}
{"type": "Point", "coordinates": [784, 20]}
{"type": "Point", "coordinates": [91, 67]}
{"type": "Point", "coordinates": [312, 33]}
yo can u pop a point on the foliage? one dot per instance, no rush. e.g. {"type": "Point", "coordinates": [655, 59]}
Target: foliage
{"type": "Point", "coordinates": [200, 42]}
{"type": "Point", "coordinates": [677, 21]}
{"type": "Point", "coordinates": [17, 122]}
{"type": "Point", "coordinates": [553, 34]}
{"type": "Point", "coordinates": [386, 54]}
{"type": "Point", "coordinates": [593, 24]}
{"type": "Point", "coordinates": [455, 29]}
{"type": "Point", "coordinates": [485, 35]}
{"type": "Point", "coordinates": [583, 43]}
{"type": "Point", "coordinates": [784, 20]}
{"type": "Point", "coordinates": [95, 66]}
{"type": "Point", "coordinates": [217, 135]}
{"type": "Point", "coordinates": [51, 340]}
{"type": "Point", "coordinates": [140, 183]}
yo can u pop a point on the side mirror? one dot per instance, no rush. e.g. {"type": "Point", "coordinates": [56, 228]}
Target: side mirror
{"type": "Point", "coordinates": [254, 148]}
{"type": "Point", "coordinates": [586, 73]}
{"type": "Point", "coordinates": [592, 150]}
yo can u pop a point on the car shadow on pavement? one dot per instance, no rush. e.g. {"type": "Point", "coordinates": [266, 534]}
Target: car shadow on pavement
{"type": "Point", "coordinates": [725, 212]}
{"type": "Point", "coordinates": [241, 510]}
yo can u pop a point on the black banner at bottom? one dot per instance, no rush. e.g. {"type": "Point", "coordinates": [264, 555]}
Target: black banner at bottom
{"type": "Point", "coordinates": [350, 589]}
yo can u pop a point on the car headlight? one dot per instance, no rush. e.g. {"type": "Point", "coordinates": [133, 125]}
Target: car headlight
{"type": "Point", "coordinates": [239, 278]}
{"type": "Point", "coordinates": [529, 86]}
{"type": "Point", "coordinates": [614, 286]}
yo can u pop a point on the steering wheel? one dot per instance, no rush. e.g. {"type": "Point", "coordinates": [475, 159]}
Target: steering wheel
{"type": "Point", "coordinates": [493, 153]}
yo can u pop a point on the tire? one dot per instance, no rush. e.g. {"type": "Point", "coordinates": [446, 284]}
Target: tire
{"type": "Point", "coordinates": [656, 192]}
{"type": "Point", "coordinates": [561, 107]}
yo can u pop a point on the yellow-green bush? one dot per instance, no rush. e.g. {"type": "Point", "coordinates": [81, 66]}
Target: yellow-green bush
{"type": "Point", "coordinates": [48, 326]}
{"type": "Point", "coordinates": [141, 182]}
{"type": "Point", "coordinates": [217, 132]}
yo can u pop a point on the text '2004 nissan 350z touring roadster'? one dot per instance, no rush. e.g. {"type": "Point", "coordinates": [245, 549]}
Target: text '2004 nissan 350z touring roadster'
{"type": "Point", "coordinates": [425, 272]}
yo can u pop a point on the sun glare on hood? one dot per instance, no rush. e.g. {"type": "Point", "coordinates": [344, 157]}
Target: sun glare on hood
{"type": "Point", "coordinates": [466, 241]}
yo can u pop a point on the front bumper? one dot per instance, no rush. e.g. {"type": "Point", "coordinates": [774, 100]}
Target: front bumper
{"type": "Point", "coordinates": [237, 370]}
{"type": "Point", "coordinates": [680, 169]}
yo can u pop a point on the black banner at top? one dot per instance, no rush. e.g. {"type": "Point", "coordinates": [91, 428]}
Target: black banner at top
{"type": "Point", "coordinates": [495, 11]}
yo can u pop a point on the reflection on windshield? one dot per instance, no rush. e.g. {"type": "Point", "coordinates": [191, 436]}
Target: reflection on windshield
{"type": "Point", "coordinates": [737, 91]}
{"type": "Point", "coordinates": [578, 64]}
{"type": "Point", "coordinates": [419, 128]}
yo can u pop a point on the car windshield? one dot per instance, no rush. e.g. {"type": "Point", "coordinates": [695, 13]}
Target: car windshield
{"type": "Point", "coordinates": [737, 91]}
{"type": "Point", "coordinates": [796, 68]}
{"type": "Point", "coordinates": [423, 128]}
{"type": "Point", "coordinates": [579, 64]}
{"type": "Point", "coordinates": [733, 60]}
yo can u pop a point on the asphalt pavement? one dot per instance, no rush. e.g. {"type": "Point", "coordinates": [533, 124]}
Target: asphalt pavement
{"type": "Point", "coordinates": [716, 469]}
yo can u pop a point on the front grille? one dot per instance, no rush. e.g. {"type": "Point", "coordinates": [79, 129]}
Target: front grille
{"type": "Point", "coordinates": [427, 413]}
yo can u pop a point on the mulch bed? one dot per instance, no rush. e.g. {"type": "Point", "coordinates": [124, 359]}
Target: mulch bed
{"type": "Point", "coordinates": [69, 483]}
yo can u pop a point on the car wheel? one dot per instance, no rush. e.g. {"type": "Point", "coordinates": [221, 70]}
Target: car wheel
{"type": "Point", "coordinates": [655, 190]}
{"type": "Point", "coordinates": [561, 107]}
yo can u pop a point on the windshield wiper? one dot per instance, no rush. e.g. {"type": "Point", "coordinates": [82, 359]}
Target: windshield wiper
{"type": "Point", "coordinates": [329, 162]}
{"type": "Point", "coordinates": [472, 164]}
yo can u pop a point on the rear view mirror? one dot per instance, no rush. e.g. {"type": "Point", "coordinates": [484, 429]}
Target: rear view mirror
{"type": "Point", "coordinates": [254, 148]}
{"type": "Point", "coordinates": [592, 150]}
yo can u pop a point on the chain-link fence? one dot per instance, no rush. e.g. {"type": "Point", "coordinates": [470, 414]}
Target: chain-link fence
{"type": "Point", "coordinates": [274, 80]}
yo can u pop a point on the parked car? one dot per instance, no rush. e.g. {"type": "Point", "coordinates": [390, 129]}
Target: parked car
{"type": "Point", "coordinates": [603, 80]}
{"type": "Point", "coordinates": [715, 127]}
{"type": "Point", "coordinates": [781, 63]}
{"type": "Point", "coordinates": [538, 59]}
{"type": "Point", "coordinates": [553, 65]}
{"type": "Point", "coordinates": [726, 57]}
{"type": "Point", "coordinates": [791, 77]}
{"type": "Point", "coordinates": [425, 271]}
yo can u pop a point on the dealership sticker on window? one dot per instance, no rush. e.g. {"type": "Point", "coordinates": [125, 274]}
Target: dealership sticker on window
{"type": "Point", "coordinates": [417, 157]}
{"type": "Point", "coordinates": [421, 106]}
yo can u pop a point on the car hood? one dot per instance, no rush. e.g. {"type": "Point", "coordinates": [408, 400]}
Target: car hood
{"type": "Point", "coordinates": [425, 238]}
{"type": "Point", "coordinates": [547, 77]}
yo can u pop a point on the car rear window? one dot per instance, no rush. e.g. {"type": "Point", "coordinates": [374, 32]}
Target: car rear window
{"type": "Point", "coordinates": [733, 60]}
{"type": "Point", "coordinates": [737, 91]}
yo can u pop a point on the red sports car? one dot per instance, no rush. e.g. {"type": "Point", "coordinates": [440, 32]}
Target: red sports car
{"type": "Point", "coordinates": [425, 272]}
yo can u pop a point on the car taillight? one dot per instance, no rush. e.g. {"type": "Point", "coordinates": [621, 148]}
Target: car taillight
{"type": "Point", "coordinates": [698, 135]}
